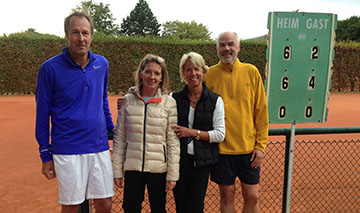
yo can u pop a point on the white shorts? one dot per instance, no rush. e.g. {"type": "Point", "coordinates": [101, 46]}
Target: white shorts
{"type": "Point", "coordinates": [85, 175]}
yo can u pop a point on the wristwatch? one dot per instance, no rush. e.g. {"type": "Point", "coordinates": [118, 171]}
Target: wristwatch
{"type": "Point", "coordinates": [198, 135]}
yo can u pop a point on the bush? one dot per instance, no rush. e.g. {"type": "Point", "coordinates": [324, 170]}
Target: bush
{"type": "Point", "coordinates": [22, 55]}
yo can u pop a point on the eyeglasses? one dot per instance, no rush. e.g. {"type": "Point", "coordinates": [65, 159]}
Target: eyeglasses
{"type": "Point", "coordinates": [157, 58]}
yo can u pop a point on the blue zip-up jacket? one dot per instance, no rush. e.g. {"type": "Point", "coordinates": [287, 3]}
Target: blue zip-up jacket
{"type": "Point", "coordinates": [76, 101]}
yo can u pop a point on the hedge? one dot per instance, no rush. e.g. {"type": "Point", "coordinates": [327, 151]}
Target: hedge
{"type": "Point", "coordinates": [21, 58]}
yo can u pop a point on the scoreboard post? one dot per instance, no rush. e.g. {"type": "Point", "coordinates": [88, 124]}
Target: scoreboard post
{"type": "Point", "coordinates": [298, 72]}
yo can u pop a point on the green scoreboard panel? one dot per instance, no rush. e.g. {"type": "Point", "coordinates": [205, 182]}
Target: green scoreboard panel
{"type": "Point", "coordinates": [299, 65]}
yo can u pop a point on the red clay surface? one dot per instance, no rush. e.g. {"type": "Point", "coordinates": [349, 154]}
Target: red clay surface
{"type": "Point", "coordinates": [24, 189]}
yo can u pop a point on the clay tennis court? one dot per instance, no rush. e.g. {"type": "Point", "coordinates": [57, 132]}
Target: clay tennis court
{"type": "Point", "coordinates": [24, 189]}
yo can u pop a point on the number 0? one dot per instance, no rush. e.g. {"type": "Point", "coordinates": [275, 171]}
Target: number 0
{"type": "Point", "coordinates": [282, 112]}
{"type": "Point", "coordinates": [308, 111]}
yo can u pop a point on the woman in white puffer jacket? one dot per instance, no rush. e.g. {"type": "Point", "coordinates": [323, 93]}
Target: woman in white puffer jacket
{"type": "Point", "coordinates": [146, 148]}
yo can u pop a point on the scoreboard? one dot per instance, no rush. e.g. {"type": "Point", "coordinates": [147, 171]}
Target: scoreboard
{"type": "Point", "coordinates": [300, 53]}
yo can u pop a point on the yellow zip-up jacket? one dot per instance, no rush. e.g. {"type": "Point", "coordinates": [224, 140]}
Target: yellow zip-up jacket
{"type": "Point", "coordinates": [246, 113]}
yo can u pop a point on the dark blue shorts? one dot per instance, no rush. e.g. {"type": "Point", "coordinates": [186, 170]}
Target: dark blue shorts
{"type": "Point", "coordinates": [225, 171]}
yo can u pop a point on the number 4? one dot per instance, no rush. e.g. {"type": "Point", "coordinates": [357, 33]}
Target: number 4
{"type": "Point", "coordinates": [312, 82]}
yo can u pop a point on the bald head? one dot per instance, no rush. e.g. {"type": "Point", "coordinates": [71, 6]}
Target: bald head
{"type": "Point", "coordinates": [228, 47]}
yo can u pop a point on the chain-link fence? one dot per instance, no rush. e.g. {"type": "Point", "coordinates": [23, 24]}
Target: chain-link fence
{"type": "Point", "coordinates": [325, 178]}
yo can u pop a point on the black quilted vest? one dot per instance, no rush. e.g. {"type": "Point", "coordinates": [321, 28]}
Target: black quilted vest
{"type": "Point", "coordinates": [205, 153]}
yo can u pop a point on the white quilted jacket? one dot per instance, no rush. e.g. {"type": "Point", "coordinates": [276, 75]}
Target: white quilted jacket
{"type": "Point", "coordinates": [143, 139]}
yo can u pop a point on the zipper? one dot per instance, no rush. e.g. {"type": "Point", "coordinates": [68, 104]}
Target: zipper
{"type": "Point", "coordinates": [86, 81]}
{"type": "Point", "coordinates": [126, 150]}
{"type": "Point", "coordinates": [165, 153]}
{"type": "Point", "coordinates": [143, 161]}
{"type": "Point", "coordinates": [231, 85]}
{"type": "Point", "coordinates": [193, 126]}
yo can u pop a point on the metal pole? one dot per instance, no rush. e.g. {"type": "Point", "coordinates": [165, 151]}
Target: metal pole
{"type": "Point", "coordinates": [316, 131]}
{"type": "Point", "coordinates": [289, 156]}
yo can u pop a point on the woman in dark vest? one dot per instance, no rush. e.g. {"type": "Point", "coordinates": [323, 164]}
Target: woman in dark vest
{"type": "Point", "coordinates": [201, 126]}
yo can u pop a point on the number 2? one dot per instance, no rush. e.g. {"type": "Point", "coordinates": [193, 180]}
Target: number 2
{"type": "Point", "coordinates": [315, 52]}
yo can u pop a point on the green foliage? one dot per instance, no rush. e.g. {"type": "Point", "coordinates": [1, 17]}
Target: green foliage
{"type": "Point", "coordinates": [186, 30]}
{"type": "Point", "coordinates": [348, 44]}
{"type": "Point", "coordinates": [30, 33]}
{"type": "Point", "coordinates": [31, 30]}
{"type": "Point", "coordinates": [124, 56]}
{"type": "Point", "coordinates": [141, 21]}
{"type": "Point", "coordinates": [102, 17]}
{"type": "Point", "coordinates": [254, 53]}
{"type": "Point", "coordinates": [348, 29]}
{"type": "Point", "coordinates": [22, 54]}
{"type": "Point", "coordinates": [20, 59]}
{"type": "Point", "coordinates": [148, 39]}
{"type": "Point", "coordinates": [257, 39]}
{"type": "Point", "coordinates": [346, 75]}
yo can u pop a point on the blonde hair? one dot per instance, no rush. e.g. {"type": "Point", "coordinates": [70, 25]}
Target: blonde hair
{"type": "Point", "coordinates": [164, 84]}
{"type": "Point", "coordinates": [196, 59]}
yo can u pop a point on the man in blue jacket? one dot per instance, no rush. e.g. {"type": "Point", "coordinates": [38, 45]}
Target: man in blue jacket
{"type": "Point", "coordinates": [72, 94]}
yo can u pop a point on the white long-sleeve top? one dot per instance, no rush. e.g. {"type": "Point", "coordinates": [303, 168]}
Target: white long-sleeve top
{"type": "Point", "coordinates": [218, 133]}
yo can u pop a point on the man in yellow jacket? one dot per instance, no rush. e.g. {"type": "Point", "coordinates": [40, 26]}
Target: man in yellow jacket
{"type": "Point", "coordinates": [246, 120]}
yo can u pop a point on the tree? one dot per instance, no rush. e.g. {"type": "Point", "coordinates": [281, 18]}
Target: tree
{"type": "Point", "coordinates": [102, 17]}
{"type": "Point", "coordinates": [186, 30]}
{"type": "Point", "coordinates": [141, 21]}
{"type": "Point", "coordinates": [31, 30]}
{"type": "Point", "coordinates": [348, 29]}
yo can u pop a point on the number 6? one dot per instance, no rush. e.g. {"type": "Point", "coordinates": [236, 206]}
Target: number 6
{"type": "Point", "coordinates": [285, 83]}
{"type": "Point", "coordinates": [287, 53]}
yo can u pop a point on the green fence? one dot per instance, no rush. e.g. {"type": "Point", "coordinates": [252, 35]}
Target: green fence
{"type": "Point", "coordinates": [325, 176]}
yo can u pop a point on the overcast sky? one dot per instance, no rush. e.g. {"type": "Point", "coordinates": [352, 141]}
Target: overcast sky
{"type": "Point", "coordinates": [247, 18]}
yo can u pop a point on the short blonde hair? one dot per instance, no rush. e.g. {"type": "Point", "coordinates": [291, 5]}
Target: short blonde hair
{"type": "Point", "coordinates": [196, 59]}
{"type": "Point", "coordinates": [164, 84]}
